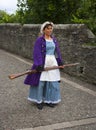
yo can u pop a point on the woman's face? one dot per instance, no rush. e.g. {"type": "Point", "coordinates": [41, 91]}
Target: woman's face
{"type": "Point", "coordinates": [48, 30]}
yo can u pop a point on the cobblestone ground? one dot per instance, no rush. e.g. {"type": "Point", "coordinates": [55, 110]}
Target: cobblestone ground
{"type": "Point", "coordinates": [77, 110]}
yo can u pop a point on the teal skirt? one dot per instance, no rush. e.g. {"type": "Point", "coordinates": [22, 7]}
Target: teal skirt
{"type": "Point", "coordinates": [47, 92]}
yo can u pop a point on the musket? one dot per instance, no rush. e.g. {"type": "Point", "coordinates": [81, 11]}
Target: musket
{"type": "Point", "coordinates": [13, 76]}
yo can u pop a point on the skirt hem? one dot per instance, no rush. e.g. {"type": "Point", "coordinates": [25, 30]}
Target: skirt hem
{"type": "Point", "coordinates": [34, 100]}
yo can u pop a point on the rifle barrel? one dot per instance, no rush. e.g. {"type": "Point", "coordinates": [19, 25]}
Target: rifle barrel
{"type": "Point", "coordinates": [13, 76]}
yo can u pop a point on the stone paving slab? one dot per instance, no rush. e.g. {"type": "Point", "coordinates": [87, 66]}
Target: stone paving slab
{"type": "Point", "coordinates": [18, 113]}
{"type": "Point", "coordinates": [81, 127]}
{"type": "Point", "coordinates": [84, 123]}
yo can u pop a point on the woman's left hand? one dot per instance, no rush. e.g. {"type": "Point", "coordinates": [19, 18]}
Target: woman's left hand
{"type": "Point", "coordinates": [61, 66]}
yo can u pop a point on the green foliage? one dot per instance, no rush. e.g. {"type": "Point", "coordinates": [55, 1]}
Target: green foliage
{"type": "Point", "coordinates": [3, 17]}
{"type": "Point", "coordinates": [6, 18]}
{"type": "Point", "coordinates": [38, 11]}
{"type": "Point", "coordinates": [57, 11]}
{"type": "Point", "coordinates": [86, 14]}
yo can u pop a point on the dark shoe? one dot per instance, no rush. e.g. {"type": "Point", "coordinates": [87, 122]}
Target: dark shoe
{"type": "Point", "coordinates": [50, 104]}
{"type": "Point", "coordinates": [40, 106]}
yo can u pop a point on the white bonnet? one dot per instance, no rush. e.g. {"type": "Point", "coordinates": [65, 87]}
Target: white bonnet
{"type": "Point", "coordinates": [44, 24]}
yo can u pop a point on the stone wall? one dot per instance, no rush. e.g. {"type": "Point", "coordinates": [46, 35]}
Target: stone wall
{"type": "Point", "coordinates": [77, 44]}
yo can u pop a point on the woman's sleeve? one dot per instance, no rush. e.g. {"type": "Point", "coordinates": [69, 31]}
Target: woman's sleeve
{"type": "Point", "coordinates": [37, 54]}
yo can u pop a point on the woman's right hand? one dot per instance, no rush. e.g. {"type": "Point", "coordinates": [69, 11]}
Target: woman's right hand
{"type": "Point", "coordinates": [40, 68]}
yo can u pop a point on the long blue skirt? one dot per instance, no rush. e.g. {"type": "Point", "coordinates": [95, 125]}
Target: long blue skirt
{"type": "Point", "coordinates": [47, 92]}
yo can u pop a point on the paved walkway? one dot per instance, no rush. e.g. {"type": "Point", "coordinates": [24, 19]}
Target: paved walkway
{"type": "Point", "coordinates": [77, 110]}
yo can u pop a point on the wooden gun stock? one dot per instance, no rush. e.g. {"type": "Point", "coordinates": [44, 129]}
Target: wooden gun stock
{"type": "Point", "coordinates": [13, 76]}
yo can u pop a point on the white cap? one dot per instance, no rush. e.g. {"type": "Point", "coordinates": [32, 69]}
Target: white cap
{"type": "Point", "coordinates": [44, 24]}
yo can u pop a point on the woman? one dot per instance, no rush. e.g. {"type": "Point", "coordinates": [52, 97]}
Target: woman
{"type": "Point", "coordinates": [45, 85]}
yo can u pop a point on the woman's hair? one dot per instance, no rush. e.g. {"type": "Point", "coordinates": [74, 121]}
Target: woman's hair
{"type": "Point", "coordinates": [45, 25]}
